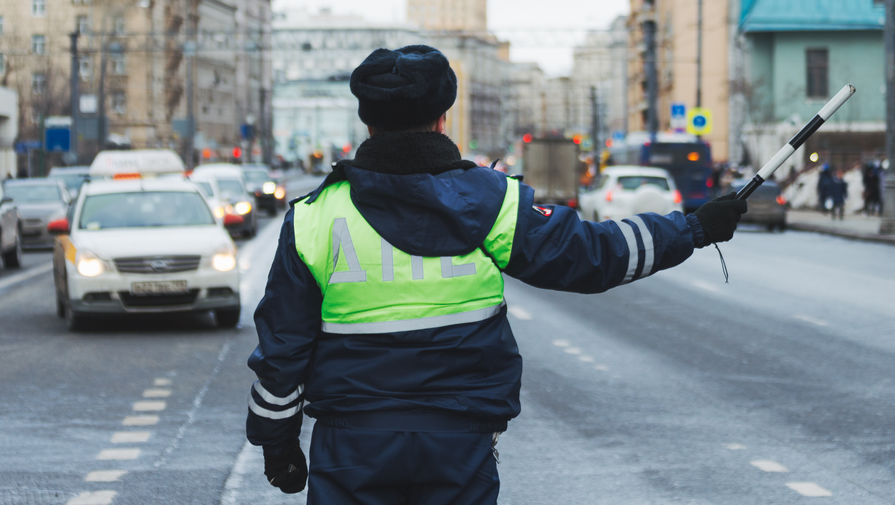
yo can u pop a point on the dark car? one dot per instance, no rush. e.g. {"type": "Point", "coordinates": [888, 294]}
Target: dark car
{"type": "Point", "coordinates": [270, 195]}
{"type": "Point", "coordinates": [72, 177]}
{"type": "Point", "coordinates": [10, 232]}
{"type": "Point", "coordinates": [39, 200]}
{"type": "Point", "coordinates": [766, 205]}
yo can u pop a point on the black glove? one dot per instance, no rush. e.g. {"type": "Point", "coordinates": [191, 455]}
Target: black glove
{"type": "Point", "coordinates": [719, 218]}
{"type": "Point", "coordinates": [285, 467]}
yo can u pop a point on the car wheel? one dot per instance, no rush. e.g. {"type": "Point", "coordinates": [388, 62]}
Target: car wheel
{"type": "Point", "coordinates": [74, 321]}
{"type": "Point", "coordinates": [781, 226]}
{"type": "Point", "coordinates": [227, 318]}
{"type": "Point", "coordinates": [13, 257]}
{"type": "Point", "coordinates": [60, 306]}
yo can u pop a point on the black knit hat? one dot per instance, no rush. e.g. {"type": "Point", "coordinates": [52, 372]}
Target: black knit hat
{"type": "Point", "coordinates": [404, 88]}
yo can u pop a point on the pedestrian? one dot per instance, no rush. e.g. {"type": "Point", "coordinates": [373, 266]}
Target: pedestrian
{"type": "Point", "coordinates": [838, 190]}
{"type": "Point", "coordinates": [383, 316]}
{"type": "Point", "coordinates": [870, 176]}
{"type": "Point", "coordinates": [824, 180]}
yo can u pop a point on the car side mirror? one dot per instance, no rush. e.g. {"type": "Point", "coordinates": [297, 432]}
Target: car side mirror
{"type": "Point", "coordinates": [58, 227]}
{"type": "Point", "coordinates": [232, 220]}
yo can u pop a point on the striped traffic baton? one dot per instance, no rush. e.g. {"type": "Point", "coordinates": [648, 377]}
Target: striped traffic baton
{"type": "Point", "coordinates": [794, 143]}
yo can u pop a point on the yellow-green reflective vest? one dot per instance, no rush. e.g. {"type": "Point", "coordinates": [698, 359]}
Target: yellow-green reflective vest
{"type": "Point", "coordinates": [370, 286]}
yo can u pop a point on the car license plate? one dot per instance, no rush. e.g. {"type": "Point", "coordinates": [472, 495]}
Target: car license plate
{"type": "Point", "coordinates": [158, 287]}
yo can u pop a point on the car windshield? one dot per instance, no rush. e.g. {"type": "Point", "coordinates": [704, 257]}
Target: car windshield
{"type": "Point", "coordinates": [144, 209]}
{"type": "Point", "coordinates": [206, 188]}
{"type": "Point", "coordinates": [72, 181]}
{"type": "Point", "coordinates": [632, 182]}
{"type": "Point", "coordinates": [231, 188]}
{"type": "Point", "coordinates": [34, 193]}
{"type": "Point", "coordinates": [256, 176]}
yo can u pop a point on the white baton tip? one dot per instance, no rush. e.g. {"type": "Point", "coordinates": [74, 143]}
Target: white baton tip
{"type": "Point", "coordinates": [840, 98]}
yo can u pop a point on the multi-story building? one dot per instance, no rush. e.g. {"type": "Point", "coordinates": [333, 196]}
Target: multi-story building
{"type": "Point", "coordinates": [315, 114]}
{"type": "Point", "coordinates": [678, 54]}
{"type": "Point", "coordinates": [9, 112]}
{"type": "Point", "coordinates": [526, 105]}
{"type": "Point", "coordinates": [795, 60]}
{"type": "Point", "coordinates": [151, 73]}
{"type": "Point", "coordinates": [449, 15]}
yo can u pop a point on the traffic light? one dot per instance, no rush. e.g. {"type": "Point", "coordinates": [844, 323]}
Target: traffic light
{"type": "Point", "coordinates": [237, 152]}
{"type": "Point", "coordinates": [527, 138]}
{"type": "Point", "coordinates": [576, 139]}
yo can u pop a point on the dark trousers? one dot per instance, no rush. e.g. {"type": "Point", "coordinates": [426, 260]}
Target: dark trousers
{"type": "Point", "coordinates": [351, 466]}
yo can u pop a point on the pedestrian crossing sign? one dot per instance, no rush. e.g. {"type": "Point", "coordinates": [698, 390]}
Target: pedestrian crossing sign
{"type": "Point", "coordinates": [699, 121]}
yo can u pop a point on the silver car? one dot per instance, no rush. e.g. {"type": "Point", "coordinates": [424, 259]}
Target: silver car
{"type": "Point", "coordinates": [40, 200]}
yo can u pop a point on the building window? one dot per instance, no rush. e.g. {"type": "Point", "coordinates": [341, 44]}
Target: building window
{"type": "Point", "coordinates": [2, 64]}
{"type": "Point", "coordinates": [119, 102]}
{"type": "Point", "coordinates": [38, 83]}
{"type": "Point", "coordinates": [118, 64]}
{"type": "Point", "coordinates": [118, 25]}
{"type": "Point", "coordinates": [38, 7]}
{"type": "Point", "coordinates": [1, 25]}
{"type": "Point", "coordinates": [817, 67]}
{"type": "Point", "coordinates": [38, 44]}
{"type": "Point", "coordinates": [83, 24]}
{"type": "Point", "coordinates": [85, 68]}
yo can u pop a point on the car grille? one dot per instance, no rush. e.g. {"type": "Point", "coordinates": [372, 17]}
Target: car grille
{"type": "Point", "coordinates": [32, 222]}
{"type": "Point", "coordinates": [157, 264]}
{"type": "Point", "coordinates": [132, 300]}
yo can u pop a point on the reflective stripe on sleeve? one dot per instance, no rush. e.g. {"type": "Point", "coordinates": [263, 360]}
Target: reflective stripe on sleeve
{"type": "Point", "coordinates": [627, 230]}
{"type": "Point", "coordinates": [274, 399]}
{"type": "Point", "coordinates": [648, 246]}
{"type": "Point", "coordinates": [499, 241]}
{"type": "Point", "coordinates": [422, 323]}
{"type": "Point", "coordinates": [270, 414]}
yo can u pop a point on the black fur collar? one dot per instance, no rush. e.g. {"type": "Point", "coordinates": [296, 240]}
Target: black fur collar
{"type": "Point", "coordinates": [408, 153]}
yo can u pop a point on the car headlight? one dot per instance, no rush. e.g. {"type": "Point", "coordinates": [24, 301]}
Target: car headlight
{"type": "Point", "coordinates": [88, 264]}
{"type": "Point", "coordinates": [224, 260]}
{"type": "Point", "coordinates": [242, 208]}
{"type": "Point", "coordinates": [280, 193]}
{"type": "Point", "coordinates": [269, 187]}
{"type": "Point", "coordinates": [219, 212]}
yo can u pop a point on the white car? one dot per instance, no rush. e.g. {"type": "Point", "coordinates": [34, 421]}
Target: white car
{"type": "Point", "coordinates": [144, 245]}
{"type": "Point", "coordinates": [624, 190]}
{"type": "Point", "coordinates": [230, 190]}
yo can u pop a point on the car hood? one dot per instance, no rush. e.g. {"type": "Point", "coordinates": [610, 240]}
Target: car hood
{"type": "Point", "coordinates": [187, 240]}
{"type": "Point", "coordinates": [41, 210]}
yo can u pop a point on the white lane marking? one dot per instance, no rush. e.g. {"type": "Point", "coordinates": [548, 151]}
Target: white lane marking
{"type": "Point", "coordinates": [706, 286]}
{"type": "Point", "coordinates": [601, 368]}
{"type": "Point", "coordinates": [93, 498]}
{"type": "Point", "coordinates": [156, 393]}
{"type": "Point", "coordinates": [812, 320]}
{"type": "Point", "coordinates": [140, 420]}
{"type": "Point", "coordinates": [130, 437]}
{"type": "Point", "coordinates": [561, 343]}
{"type": "Point", "coordinates": [118, 454]}
{"type": "Point", "coordinates": [572, 350]}
{"type": "Point", "coordinates": [197, 405]}
{"type": "Point", "coordinates": [15, 279]}
{"type": "Point", "coordinates": [809, 489]}
{"type": "Point", "coordinates": [149, 406]}
{"type": "Point", "coordinates": [161, 382]}
{"type": "Point", "coordinates": [767, 465]}
{"type": "Point", "coordinates": [104, 476]}
{"type": "Point", "coordinates": [519, 312]}
{"type": "Point", "coordinates": [585, 358]}
{"type": "Point", "coordinates": [735, 447]}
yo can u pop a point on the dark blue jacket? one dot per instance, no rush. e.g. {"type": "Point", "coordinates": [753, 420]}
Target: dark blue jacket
{"type": "Point", "coordinates": [428, 202]}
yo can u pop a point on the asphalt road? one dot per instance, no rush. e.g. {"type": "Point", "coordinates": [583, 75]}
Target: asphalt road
{"type": "Point", "coordinates": [678, 389]}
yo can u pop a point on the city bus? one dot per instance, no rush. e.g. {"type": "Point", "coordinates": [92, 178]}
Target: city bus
{"type": "Point", "coordinates": [686, 158]}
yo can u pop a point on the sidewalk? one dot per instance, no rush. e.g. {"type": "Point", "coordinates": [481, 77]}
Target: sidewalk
{"type": "Point", "coordinates": [854, 226]}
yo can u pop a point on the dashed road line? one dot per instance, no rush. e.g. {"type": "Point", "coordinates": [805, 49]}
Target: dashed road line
{"type": "Point", "coordinates": [149, 406]}
{"type": "Point", "coordinates": [161, 382]}
{"type": "Point", "coordinates": [585, 358]}
{"type": "Point", "coordinates": [118, 454]}
{"type": "Point", "coordinates": [519, 312]}
{"type": "Point", "coordinates": [140, 420]}
{"type": "Point", "coordinates": [93, 498]}
{"type": "Point", "coordinates": [130, 437]}
{"type": "Point", "coordinates": [767, 465]}
{"type": "Point", "coordinates": [156, 393]}
{"type": "Point", "coordinates": [561, 343]}
{"type": "Point", "coordinates": [811, 320]}
{"type": "Point", "coordinates": [9, 281]}
{"type": "Point", "coordinates": [735, 447]}
{"type": "Point", "coordinates": [601, 368]}
{"type": "Point", "coordinates": [572, 350]}
{"type": "Point", "coordinates": [809, 489]}
{"type": "Point", "coordinates": [706, 286]}
{"type": "Point", "coordinates": [105, 476]}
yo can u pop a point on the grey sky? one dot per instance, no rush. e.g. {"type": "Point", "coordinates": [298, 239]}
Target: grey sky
{"type": "Point", "coordinates": [539, 30]}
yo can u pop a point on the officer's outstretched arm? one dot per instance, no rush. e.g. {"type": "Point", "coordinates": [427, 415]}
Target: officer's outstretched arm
{"type": "Point", "coordinates": [554, 249]}
{"type": "Point", "coordinates": [287, 321]}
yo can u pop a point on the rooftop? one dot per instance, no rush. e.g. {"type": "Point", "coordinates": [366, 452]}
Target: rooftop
{"type": "Point", "coordinates": [811, 15]}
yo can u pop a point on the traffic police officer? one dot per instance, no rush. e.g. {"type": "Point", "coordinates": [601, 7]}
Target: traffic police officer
{"type": "Point", "coordinates": [383, 315]}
